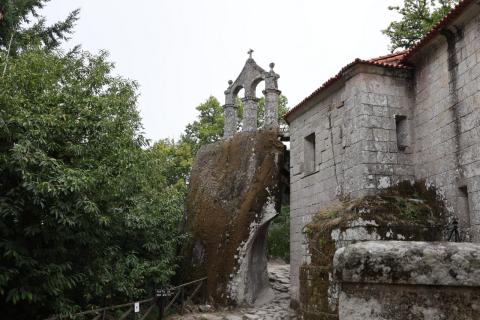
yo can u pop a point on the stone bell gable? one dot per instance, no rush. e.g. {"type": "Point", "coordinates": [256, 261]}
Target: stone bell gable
{"type": "Point", "coordinates": [250, 76]}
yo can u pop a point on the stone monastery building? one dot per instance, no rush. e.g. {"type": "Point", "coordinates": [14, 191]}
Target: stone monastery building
{"type": "Point", "coordinates": [412, 115]}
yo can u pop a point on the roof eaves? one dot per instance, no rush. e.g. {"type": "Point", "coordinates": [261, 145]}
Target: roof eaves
{"type": "Point", "coordinates": [452, 15]}
{"type": "Point", "coordinates": [397, 60]}
{"type": "Point", "coordinates": [337, 77]}
{"type": "Point", "coordinates": [393, 57]}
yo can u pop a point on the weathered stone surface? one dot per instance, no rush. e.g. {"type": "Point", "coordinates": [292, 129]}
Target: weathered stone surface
{"type": "Point", "coordinates": [407, 302]}
{"type": "Point", "coordinates": [250, 106]}
{"type": "Point", "coordinates": [389, 280]}
{"type": "Point", "coordinates": [407, 262]}
{"type": "Point", "coordinates": [375, 127]}
{"type": "Point", "coordinates": [248, 79]}
{"type": "Point", "coordinates": [276, 309]}
{"type": "Point", "coordinates": [404, 212]}
{"type": "Point", "coordinates": [234, 192]}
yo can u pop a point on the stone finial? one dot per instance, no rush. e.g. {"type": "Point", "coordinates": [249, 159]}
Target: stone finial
{"type": "Point", "coordinates": [248, 79]}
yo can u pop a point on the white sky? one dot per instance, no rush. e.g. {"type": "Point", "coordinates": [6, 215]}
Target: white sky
{"type": "Point", "coordinates": [183, 51]}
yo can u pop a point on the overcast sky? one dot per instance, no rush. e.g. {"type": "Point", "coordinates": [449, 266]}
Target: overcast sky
{"type": "Point", "coordinates": [183, 51]}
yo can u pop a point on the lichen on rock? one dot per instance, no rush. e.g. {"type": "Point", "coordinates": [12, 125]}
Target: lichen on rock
{"type": "Point", "coordinates": [234, 192]}
{"type": "Point", "coordinates": [403, 212]}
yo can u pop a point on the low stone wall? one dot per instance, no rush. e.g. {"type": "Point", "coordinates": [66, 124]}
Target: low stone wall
{"type": "Point", "coordinates": [383, 280]}
{"type": "Point", "coordinates": [404, 212]}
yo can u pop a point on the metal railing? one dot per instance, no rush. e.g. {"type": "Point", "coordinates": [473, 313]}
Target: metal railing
{"type": "Point", "coordinates": [164, 299]}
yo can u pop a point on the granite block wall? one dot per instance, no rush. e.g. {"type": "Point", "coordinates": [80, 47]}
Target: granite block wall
{"type": "Point", "coordinates": [447, 123]}
{"type": "Point", "coordinates": [355, 152]}
{"type": "Point", "coordinates": [397, 280]}
{"type": "Point", "coordinates": [312, 189]}
{"type": "Point", "coordinates": [379, 125]}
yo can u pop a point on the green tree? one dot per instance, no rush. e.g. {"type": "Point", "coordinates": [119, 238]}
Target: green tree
{"type": "Point", "coordinates": [279, 236]}
{"type": "Point", "coordinates": [208, 128]}
{"type": "Point", "coordinates": [177, 158]}
{"type": "Point", "coordinates": [21, 25]}
{"type": "Point", "coordinates": [417, 18]}
{"type": "Point", "coordinates": [88, 216]}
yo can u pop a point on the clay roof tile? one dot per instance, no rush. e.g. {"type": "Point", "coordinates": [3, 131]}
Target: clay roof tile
{"type": "Point", "coordinates": [394, 60]}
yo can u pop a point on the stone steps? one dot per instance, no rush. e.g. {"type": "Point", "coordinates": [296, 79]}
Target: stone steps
{"type": "Point", "coordinates": [276, 309]}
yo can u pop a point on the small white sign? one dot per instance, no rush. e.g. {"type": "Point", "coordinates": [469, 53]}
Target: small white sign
{"type": "Point", "coordinates": [137, 307]}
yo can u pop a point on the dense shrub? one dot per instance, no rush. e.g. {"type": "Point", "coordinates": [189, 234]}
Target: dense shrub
{"type": "Point", "coordinates": [87, 216]}
{"type": "Point", "coordinates": [279, 236]}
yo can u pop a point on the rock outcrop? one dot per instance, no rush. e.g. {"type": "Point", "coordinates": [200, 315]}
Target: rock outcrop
{"type": "Point", "coordinates": [234, 192]}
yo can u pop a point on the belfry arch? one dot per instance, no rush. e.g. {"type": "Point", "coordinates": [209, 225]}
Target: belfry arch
{"type": "Point", "coordinates": [248, 79]}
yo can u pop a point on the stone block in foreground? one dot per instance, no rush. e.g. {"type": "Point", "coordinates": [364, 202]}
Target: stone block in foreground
{"type": "Point", "coordinates": [408, 280]}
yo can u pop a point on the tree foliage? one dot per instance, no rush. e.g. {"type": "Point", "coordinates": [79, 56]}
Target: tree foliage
{"type": "Point", "coordinates": [88, 215]}
{"type": "Point", "coordinates": [417, 18]}
{"type": "Point", "coordinates": [21, 24]}
{"type": "Point", "coordinates": [208, 127]}
{"type": "Point", "coordinates": [177, 159]}
{"type": "Point", "coordinates": [279, 236]}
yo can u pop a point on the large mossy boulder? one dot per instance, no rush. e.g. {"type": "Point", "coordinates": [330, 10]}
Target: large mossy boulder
{"type": "Point", "coordinates": [405, 212]}
{"type": "Point", "coordinates": [234, 192]}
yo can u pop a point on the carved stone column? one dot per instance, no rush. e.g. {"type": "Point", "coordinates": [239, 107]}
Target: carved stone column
{"type": "Point", "coordinates": [271, 108]}
{"type": "Point", "coordinates": [230, 125]}
{"type": "Point", "coordinates": [250, 114]}
{"type": "Point", "coordinates": [272, 95]}
{"type": "Point", "coordinates": [229, 113]}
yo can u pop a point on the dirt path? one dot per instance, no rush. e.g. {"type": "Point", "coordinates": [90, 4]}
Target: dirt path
{"type": "Point", "coordinates": [277, 309]}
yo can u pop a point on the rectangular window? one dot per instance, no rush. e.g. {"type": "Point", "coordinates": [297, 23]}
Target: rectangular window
{"type": "Point", "coordinates": [309, 154]}
{"type": "Point", "coordinates": [402, 132]}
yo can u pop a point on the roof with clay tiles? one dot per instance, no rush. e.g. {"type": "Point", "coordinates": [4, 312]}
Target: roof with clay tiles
{"type": "Point", "coordinates": [397, 60]}
{"type": "Point", "coordinates": [450, 17]}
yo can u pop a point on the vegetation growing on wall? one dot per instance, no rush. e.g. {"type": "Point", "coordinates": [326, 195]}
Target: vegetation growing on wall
{"type": "Point", "coordinates": [402, 212]}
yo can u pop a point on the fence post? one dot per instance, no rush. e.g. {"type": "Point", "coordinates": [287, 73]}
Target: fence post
{"type": "Point", "coordinates": [205, 290]}
{"type": "Point", "coordinates": [161, 306]}
{"type": "Point", "coordinates": [182, 297]}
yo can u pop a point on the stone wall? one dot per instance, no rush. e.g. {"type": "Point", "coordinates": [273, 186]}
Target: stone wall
{"type": "Point", "coordinates": [447, 121]}
{"type": "Point", "coordinates": [309, 192]}
{"type": "Point", "coordinates": [377, 126]}
{"type": "Point", "coordinates": [404, 212]}
{"type": "Point", "coordinates": [355, 149]}
{"type": "Point", "coordinates": [390, 280]}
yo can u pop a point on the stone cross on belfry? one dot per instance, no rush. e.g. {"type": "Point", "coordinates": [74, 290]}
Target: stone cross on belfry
{"type": "Point", "coordinates": [248, 79]}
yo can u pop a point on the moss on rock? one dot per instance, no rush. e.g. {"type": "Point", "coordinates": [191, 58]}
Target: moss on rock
{"type": "Point", "coordinates": [231, 183]}
{"type": "Point", "coordinates": [403, 212]}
